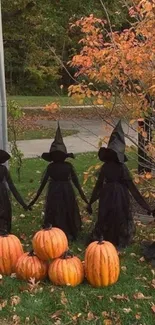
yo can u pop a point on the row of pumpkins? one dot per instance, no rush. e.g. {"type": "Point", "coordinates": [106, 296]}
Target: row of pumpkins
{"type": "Point", "coordinates": [50, 256]}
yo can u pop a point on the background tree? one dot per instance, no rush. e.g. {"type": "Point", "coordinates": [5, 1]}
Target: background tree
{"type": "Point", "coordinates": [30, 27]}
{"type": "Point", "coordinates": [117, 69]}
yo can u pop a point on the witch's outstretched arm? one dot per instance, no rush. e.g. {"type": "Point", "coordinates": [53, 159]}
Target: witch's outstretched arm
{"type": "Point", "coordinates": [96, 191]}
{"type": "Point", "coordinates": [14, 190]}
{"type": "Point", "coordinates": [134, 191]}
{"type": "Point", "coordinates": [41, 187]}
{"type": "Point", "coordinates": [137, 196]}
{"type": "Point", "coordinates": [77, 184]}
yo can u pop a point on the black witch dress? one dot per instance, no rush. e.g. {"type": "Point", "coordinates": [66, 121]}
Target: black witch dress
{"type": "Point", "coordinates": [61, 208]}
{"type": "Point", "coordinates": [113, 189]}
{"type": "Point", "coordinates": [5, 204]}
{"type": "Point", "coordinates": [148, 250]}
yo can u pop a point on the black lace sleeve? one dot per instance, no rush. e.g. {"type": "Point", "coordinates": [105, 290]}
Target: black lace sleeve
{"type": "Point", "coordinates": [13, 188]}
{"type": "Point", "coordinates": [134, 190]}
{"type": "Point", "coordinates": [76, 183]}
{"type": "Point", "coordinates": [96, 191]}
{"type": "Point", "coordinates": [41, 187]}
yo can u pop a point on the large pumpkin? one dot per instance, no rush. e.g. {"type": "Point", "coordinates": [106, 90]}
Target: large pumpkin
{"type": "Point", "coordinates": [49, 243]}
{"type": "Point", "coordinates": [101, 264]}
{"type": "Point", "coordinates": [66, 270]}
{"type": "Point", "coordinates": [10, 250]}
{"type": "Point", "coordinates": [30, 266]}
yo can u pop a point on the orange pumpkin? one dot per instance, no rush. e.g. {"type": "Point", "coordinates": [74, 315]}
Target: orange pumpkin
{"type": "Point", "coordinates": [30, 266]}
{"type": "Point", "coordinates": [101, 264]}
{"type": "Point", "coordinates": [66, 270]}
{"type": "Point", "coordinates": [49, 243]}
{"type": "Point", "coordinates": [10, 250]}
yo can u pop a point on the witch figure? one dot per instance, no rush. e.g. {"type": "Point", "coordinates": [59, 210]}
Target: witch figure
{"type": "Point", "coordinates": [61, 208]}
{"type": "Point", "coordinates": [115, 221]}
{"type": "Point", "coordinates": [5, 204]}
{"type": "Point", "coordinates": [148, 251]}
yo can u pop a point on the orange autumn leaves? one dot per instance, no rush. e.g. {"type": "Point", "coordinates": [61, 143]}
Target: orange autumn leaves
{"type": "Point", "coordinates": [53, 107]}
{"type": "Point", "coordinates": [124, 61]}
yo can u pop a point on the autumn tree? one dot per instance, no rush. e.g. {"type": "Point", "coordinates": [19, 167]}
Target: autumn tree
{"type": "Point", "coordinates": [116, 69]}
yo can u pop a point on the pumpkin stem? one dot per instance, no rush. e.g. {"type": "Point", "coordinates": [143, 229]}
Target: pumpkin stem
{"type": "Point", "coordinates": [31, 253]}
{"type": "Point", "coordinates": [67, 254]}
{"type": "Point", "coordinates": [47, 226]}
{"type": "Point", "coordinates": [101, 240]}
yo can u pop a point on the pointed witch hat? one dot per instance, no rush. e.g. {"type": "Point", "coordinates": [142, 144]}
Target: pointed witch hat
{"type": "Point", "coordinates": [116, 146]}
{"type": "Point", "coordinates": [57, 148]}
{"type": "Point", "coordinates": [4, 156]}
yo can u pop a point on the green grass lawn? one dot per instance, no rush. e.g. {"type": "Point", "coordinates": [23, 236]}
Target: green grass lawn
{"type": "Point", "coordinates": [81, 111]}
{"type": "Point", "coordinates": [115, 305]}
{"type": "Point", "coordinates": [32, 101]}
{"type": "Point", "coordinates": [41, 133]}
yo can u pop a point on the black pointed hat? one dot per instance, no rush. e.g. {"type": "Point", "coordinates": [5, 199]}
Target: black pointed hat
{"type": "Point", "coordinates": [57, 149]}
{"type": "Point", "coordinates": [116, 146]}
{"type": "Point", "coordinates": [4, 156]}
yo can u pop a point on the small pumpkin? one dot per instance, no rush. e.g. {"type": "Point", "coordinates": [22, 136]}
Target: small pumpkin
{"type": "Point", "coordinates": [30, 266]}
{"type": "Point", "coordinates": [10, 250]}
{"type": "Point", "coordinates": [49, 243]}
{"type": "Point", "coordinates": [66, 270]}
{"type": "Point", "coordinates": [102, 266]}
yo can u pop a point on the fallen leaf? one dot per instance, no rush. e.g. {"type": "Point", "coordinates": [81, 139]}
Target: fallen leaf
{"type": "Point", "coordinates": [57, 314]}
{"type": "Point", "coordinates": [153, 308]}
{"type": "Point", "coordinates": [153, 283]}
{"type": "Point", "coordinates": [107, 322]}
{"type": "Point", "coordinates": [22, 215]}
{"type": "Point", "coordinates": [15, 300]}
{"type": "Point", "coordinates": [23, 237]}
{"type": "Point", "coordinates": [105, 314]}
{"type": "Point", "coordinates": [16, 320]}
{"type": "Point", "coordinates": [13, 276]}
{"type": "Point", "coordinates": [3, 303]}
{"type": "Point", "coordinates": [148, 176]}
{"type": "Point", "coordinates": [1, 276]}
{"type": "Point", "coordinates": [138, 316]}
{"type": "Point", "coordinates": [141, 278]}
{"type": "Point", "coordinates": [133, 254]}
{"type": "Point", "coordinates": [123, 268]}
{"type": "Point", "coordinates": [90, 316]}
{"type": "Point", "coordinates": [100, 297]}
{"type": "Point", "coordinates": [79, 249]}
{"type": "Point", "coordinates": [136, 180]}
{"type": "Point", "coordinates": [139, 295]}
{"type": "Point", "coordinates": [58, 322]}
{"type": "Point", "coordinates": [142, 259]}
{"type": "Point", "coordinates": [33, 286]}
{"type": "Point", "coordinates": [127, 310]}
{"type": "Point", "coordinates": [75, 317]}
{"type": "Point", "coordinates": [121, 297]}
{"type": "Point", "coordinates": [64, 300]}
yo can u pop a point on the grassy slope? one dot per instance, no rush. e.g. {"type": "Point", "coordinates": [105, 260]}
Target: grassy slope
{"type": "Point", "coordinates": [32, 101]}
{"type": "Point", "coordinates": [42, 133]}
{"type": "Point", "coordinates": [83, 304]}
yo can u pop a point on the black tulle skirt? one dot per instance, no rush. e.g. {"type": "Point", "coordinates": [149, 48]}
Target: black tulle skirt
{"type": "Point", "coordinates": [5, 208]}
{"type": "Point", "coordinates": [61, 208]}
{"type": "Point", "coordinates": [115, 222]}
